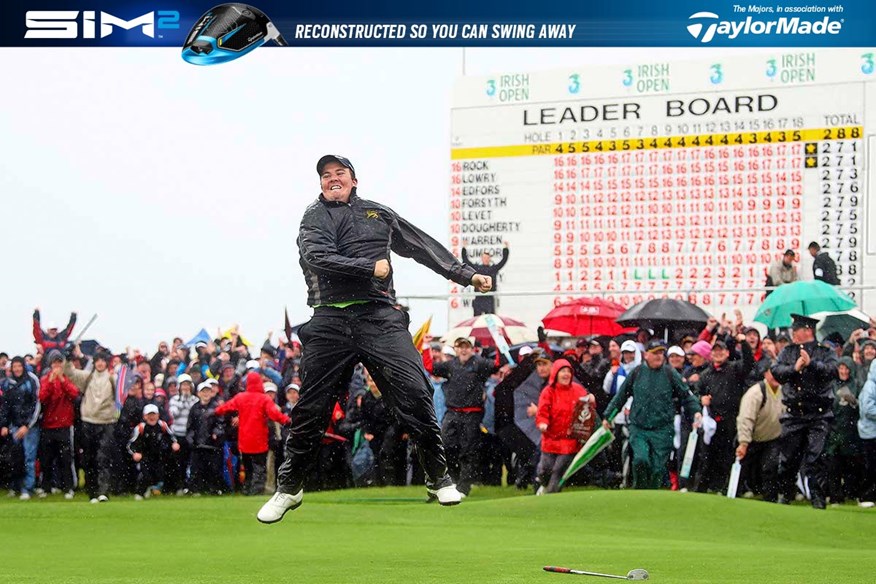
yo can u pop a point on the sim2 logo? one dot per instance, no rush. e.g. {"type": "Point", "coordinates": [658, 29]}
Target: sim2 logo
{"type": "Point", "coordinates": [705, 26]}
{"type": "Point", "coordinates": [85, 24]}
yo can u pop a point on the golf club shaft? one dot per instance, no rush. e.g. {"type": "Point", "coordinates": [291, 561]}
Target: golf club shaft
{"type": "Point", "coordinates": [580, 572]}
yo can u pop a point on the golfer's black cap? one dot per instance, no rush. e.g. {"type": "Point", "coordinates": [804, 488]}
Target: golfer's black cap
{"type": "Point", "coordinates": [320, 166]}
{"type": "Point", "coordinates": [656, 345]}
{"type": "Point", "coordinates": [719, 345]}
{"type": "Point", "coordinates": [799, 321]}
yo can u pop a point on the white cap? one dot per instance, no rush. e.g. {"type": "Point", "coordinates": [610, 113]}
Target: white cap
{"type": "Point", "coordinates": [204, 385]}
{"type": "Point", "coordinates": [448, 350]}
{"type": "Point", "coordinates": [150, 409]}
{"type": "Point", "coordinates": [252, 364]}
{"type": "Point", "coordinates": [184, 377]}
{"type": "Point", "coordinates": [628, 346]}
{"type": "Point", "coordinates": [524, 351]}
{"type": "Point", "coordinates": [212, 381]}
{"type": "Point", "coordinates": [270, 387]}
{"type": "Point", "coordinates": [51, 325]}
{"type": "Point", "coordinates": [675, 350]}
{"type": "Point", "coordinates": [294, 386]}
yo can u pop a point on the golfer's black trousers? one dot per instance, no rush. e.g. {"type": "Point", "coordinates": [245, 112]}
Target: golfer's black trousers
{"type": "Point", "coordinates": [333, 341]}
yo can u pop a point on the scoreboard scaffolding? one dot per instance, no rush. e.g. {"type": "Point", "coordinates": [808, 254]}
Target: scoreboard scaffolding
{"type": "Point", "coordinates": [678, 179]}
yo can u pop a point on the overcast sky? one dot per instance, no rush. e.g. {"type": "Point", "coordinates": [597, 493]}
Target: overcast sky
{"type": "Point", "coordinates": [166, 197]}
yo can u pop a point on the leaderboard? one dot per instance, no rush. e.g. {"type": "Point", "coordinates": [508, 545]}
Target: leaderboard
{"type": "Point", "coordinates": [682, 180]}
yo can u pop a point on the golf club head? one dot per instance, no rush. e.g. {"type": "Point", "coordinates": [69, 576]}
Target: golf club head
{"type": "Point", "coordinates": [227, 32]}
{"type": "Point", "coordinates": [637, 574]}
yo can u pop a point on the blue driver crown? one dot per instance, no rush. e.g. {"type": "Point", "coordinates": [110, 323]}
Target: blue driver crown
{"type": "Point", "coordinates": [229, 31]}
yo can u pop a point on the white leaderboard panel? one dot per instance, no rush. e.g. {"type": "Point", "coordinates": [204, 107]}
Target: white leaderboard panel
{"type": "Point", "coordinates": [665, 179]}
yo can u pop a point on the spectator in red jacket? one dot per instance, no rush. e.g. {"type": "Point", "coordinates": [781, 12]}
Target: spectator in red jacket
{"type": "Point", "coordinates": [57, 395]}
{"type": "Point", "coordinates": [50, 338]}
{"type": "Point", "coordinates": [556, 407]}
{"type": "Point", "coordinates": [253, 408]}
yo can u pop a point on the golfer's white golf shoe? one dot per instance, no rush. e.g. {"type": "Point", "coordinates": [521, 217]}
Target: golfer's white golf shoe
{"type": "Point", "coordinates": [277, 506]}
{"type": "Point", "coordinates": [446, 495]}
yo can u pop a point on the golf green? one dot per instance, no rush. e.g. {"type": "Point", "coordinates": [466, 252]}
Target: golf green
{"type": "Point", "coordinates": [389, 535]}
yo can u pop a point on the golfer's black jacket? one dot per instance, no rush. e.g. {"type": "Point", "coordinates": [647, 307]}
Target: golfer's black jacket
{"type": "Point", "coordinates": [808, 393]}
{"type": "Point", "coordinates": [339, 243]}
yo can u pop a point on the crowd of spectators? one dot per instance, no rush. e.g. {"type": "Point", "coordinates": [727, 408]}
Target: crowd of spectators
{"type": "Point", "coordinates": [211, 417]}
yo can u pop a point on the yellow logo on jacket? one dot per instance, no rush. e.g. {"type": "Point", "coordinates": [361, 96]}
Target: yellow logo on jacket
{"type": "Point", "coordinates": [372, 215]}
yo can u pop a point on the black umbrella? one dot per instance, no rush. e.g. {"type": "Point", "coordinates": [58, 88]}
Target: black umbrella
{"type": "Point", "coordinates": [664, 314]}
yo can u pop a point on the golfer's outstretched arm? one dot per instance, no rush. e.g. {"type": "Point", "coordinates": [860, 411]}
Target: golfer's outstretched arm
{"type": "Point", "coordinates": [411, 242]}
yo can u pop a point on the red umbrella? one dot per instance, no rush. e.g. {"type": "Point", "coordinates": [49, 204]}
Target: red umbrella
{"type": "Point", "coordinates": [586, 316]}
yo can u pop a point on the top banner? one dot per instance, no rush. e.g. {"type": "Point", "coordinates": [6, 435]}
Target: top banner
{"type": "Point", "coordinates": [210, 28]}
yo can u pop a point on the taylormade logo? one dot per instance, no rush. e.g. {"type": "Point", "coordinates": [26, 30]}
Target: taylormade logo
{"type": "Point", "coordinates": [705, 25]}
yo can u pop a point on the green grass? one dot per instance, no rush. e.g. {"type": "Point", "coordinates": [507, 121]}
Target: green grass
{"type": "Point", "coordinates": [389, 536]}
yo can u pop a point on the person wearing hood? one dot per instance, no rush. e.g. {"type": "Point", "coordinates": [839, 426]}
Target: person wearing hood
{"type": "Point", "coordinates": [618, 452]}
{"type": "Point", "coordinates": [845, 459]}
{"type": "Point", "coordinates": [19, 418]}
{"type": "Point", "coordinates": [866, 354]}
{"type": "Point", "coordinates": [58, 398]}
{"type": "Point", "coordinates": [556, 411]}
{"type": "Point", "coordinates": [652, 414]}
{"type": "Point", "coordinates": [97, 410]}
{"type": "Point", "coordinates": [867, 433]}
{"type": "Point", "coordinates": [253, 408]}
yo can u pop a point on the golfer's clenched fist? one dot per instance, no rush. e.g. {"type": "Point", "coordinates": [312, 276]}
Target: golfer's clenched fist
{"type": "Point", "coordinates": [482, 283]}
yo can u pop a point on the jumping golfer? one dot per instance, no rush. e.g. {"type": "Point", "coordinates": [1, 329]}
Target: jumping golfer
{"type": "Point", "coordinates": [344, 243]}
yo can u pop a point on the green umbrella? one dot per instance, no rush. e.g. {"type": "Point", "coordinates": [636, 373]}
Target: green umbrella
{"type": "Point", "coordinates": [804, 297]}
{"type": "Point", "coordinates": [597, 442]}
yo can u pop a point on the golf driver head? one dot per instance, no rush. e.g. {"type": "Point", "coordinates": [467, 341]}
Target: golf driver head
{"type": "Point", "coordinates": [637, 574]}
{"type": "Point", "coordinates": [227, 32]}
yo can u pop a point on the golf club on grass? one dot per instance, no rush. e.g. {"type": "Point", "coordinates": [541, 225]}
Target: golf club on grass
{"type": "Point", "coordinates": [637, 574]}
